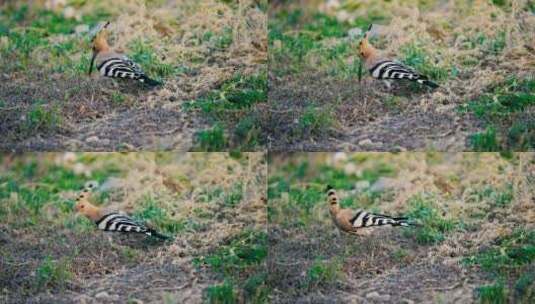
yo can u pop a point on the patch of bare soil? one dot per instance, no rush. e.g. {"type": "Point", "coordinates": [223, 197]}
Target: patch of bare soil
{"type": "Point", "coordinates": [106, 268]}
{"type": "Point", "coordinates": [371, 274]}
{"type": "Point", "coordinates": [366, 116]}
{"type": "Point", "coordinates": [90, 120]}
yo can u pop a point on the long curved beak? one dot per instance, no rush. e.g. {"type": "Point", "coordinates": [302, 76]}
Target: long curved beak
{"type": "Point", "coordinates": [92, 62]}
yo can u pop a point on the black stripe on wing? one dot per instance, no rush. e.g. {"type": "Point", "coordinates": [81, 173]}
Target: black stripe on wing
{"type": "Point", "coordinates": [118, 222]}
{"type": "Point", "coordinates": [121, 67]}
{"type": "Point", "coordinates": [393, 70]}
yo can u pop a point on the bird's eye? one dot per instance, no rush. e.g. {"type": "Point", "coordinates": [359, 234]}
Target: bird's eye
{"type": "Point", "coordinates": [81, 196]}
{"type": "Point", "coordinates": [77, 199]}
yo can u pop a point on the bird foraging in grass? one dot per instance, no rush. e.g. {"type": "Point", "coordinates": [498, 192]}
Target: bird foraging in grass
{"type": "Point", "coordinates": [353, 221]}
{"type": "Point", "coordinates": [110, 221]}
{"type": "Point", "coordinates": [115, 64]}
{"type": "Point", "coordinates": [385, 69]}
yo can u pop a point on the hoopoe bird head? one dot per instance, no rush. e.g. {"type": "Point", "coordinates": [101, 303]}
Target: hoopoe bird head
{"type": "Point", "coordinates": [366, 50]}
{"type": "Point", "coordinates": [83, 206]}
{"type": "Point", "coordinates": [99, 44]}
{"type": "Point", "coordinates": [332, 198]}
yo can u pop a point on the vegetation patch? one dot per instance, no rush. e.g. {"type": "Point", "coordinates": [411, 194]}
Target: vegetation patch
{"type": "Point", "coordinates": [240, 263]}
{"type": "Point", "coordinates": [507, 113]}
{"type": "Point", "coordinates": [508, 259]}
{"type": "Point", "coordinates": [229, 108]}
{"type": "Point", "coordinates": [434, 226]}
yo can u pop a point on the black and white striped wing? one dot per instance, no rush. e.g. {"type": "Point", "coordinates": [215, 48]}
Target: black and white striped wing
{"type": "Point", "coordinates": [364, 219]}
{"type": "Point", "coordinates": [120, 67]}
{"type": "Point", "coordinates": [120, 223]}
{"type": "Point", "coordinates": [393, 70]}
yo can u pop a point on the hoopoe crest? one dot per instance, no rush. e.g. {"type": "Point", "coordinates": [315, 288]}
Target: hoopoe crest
{"type": "Point", "coordinates": [110, 221]}
{"type": "Point", "coordinates": [115, 64]}
{"type": "Point", "coordinates": [351, 221]}
{"type": "Point", "coordinates": [385, 69]}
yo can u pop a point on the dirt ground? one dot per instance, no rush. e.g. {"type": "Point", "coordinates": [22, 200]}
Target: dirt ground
{"type": "Point", "coordinates": [363, 121]}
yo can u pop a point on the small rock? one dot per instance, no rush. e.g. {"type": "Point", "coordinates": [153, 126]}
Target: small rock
{"type": "Point", "coordinates": [172, 98]}
{"type": "Point", "coordinates": [102, 295]}
{"type": "Point", "coordinates": [81, 29]}
{"type": "Point", "coordinates": [383, 183]}
{"type": "Point", "coordinates": [374, 295]}
{"type": "Point", "coordinates": [112, 183]}
{"type": "Point", "coordinates": [79, 169]}
{"type": "Point", "coordinates": [362, 185]}
{"type": "Point", "coordinates": [340, 157]}
{"type": "Point", "coordinates": [92, 139]}
{"type": "Point", "coordinates": [365, 142]}
{"type": "Point", "coordinates": [407, 301]}
{"type": "Point", "coordinates": [354, 33]}
{"type": "Point", "coordinates": [4, 41]}
{"type": "Point", "coordinates": [70, 13]}
{"type": "Point", "coordinates": [350, 168]}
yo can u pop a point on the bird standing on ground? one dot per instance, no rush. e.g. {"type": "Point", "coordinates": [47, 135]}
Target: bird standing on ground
{"type": "Point", "coordinates": [352, 221]}
{"type": "Point", "coordinates": [115, 64]}
{"type": "Point", "coordinates": [386, 69]}
{"type": "Point", "coordinates": [111, 221]}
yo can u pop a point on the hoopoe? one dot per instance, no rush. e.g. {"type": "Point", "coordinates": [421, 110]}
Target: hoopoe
{"type": "Point", "coordinates": [114, 64]}
{"type": "Point", "coordinates": [110, 221]}
{"type": "Point", "coordinates": [352, 221]}
{"type": "Point", "coordinates": [386, 69]}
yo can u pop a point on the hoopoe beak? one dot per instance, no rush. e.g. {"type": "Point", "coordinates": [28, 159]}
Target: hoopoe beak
{"type": "Point", "coordinates": [92, 62]}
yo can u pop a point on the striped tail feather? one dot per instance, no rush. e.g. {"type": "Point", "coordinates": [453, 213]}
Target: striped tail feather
{"type": "Point", "coordinates": [154, 233]}
{"type": "Point", "coordinates": [148, 81]}
{"type": "Point", "coordinates": [427, 83]}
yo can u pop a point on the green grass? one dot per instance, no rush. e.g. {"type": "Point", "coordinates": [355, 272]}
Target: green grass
{"type": "Point", "coordinates": [314, 122]}
{"type": "Point", "coordinates": [435, 226]}
{"type": "Point", "coordinates": [234, 196]}
{"type": "Point", "coordinates": [41, 118]}
{"type": "Point", "coordinates": [417, 56]}
{"type": "Point", "coordinates": [221, 294]}
{"type": "Point", "coordinates": [241, 263]}
{"type": "Point", "coordinates": [492, 294]}
{"type": "Point", "coordinates": [39, 184]}
{"type": "Point", "coordinates": [145, 55]}
{"type": "Point", "coordinates": [29, 30]}
{"type": "Point", "coordinates": [212, 139]}
{"type": "Point", "coordinates": [296, 38]}
{"type": "Point", "coordinates": [150, 211]}
{"type": "Point", "coordinates": [509, 257]}
{"type": "Point", "coordinates": [117, 97]}
{"type": "Point", "coordinates": [229, 109]}
{"type": "Point", "coordinates": [323, 272]}
{"type": "Point", "coordinates": [505, 111]}
{"type": "Point", "coordinates": [52, 273]}
{"type": "Point", "coordinates": [496, 196]}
